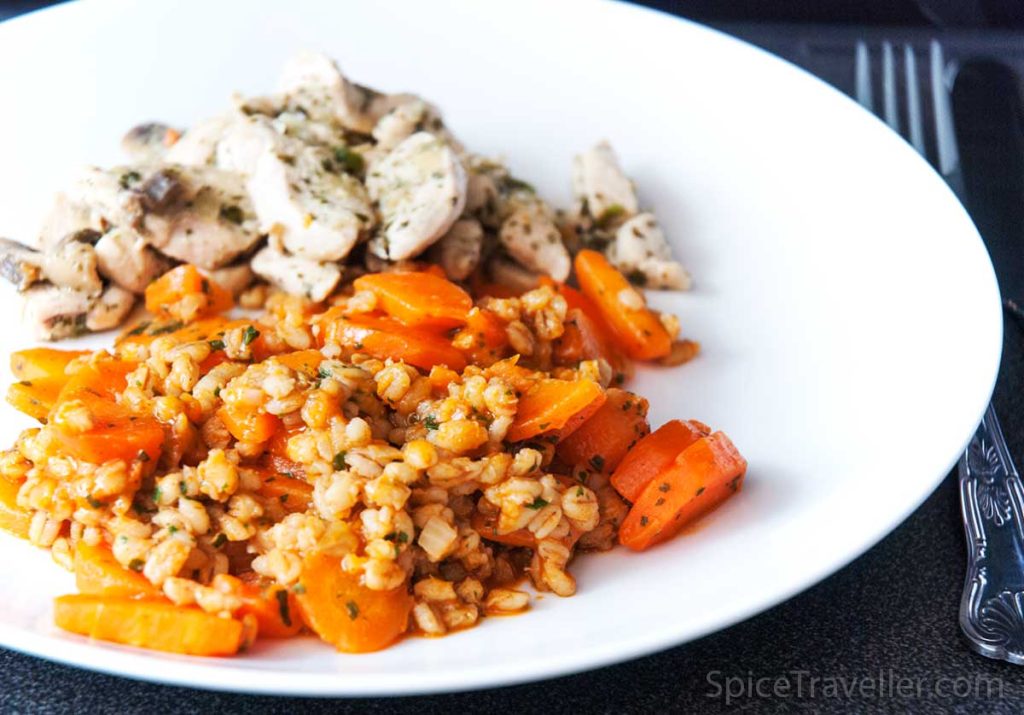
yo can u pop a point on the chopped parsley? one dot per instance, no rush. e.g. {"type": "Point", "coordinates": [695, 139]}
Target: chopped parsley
{"type": "Point", "coordinates": [183, 487]}
{"type": "Point", "coordinates": [514, 183]}
{"type": "Point", "coordinates": [216, 345]}
{"type": "Point", "coordinates": [298, 589]}
{"type": "Point", "coordinates": [430, 422]}
{"type": "Point", "coordinates": [94, 502]}
{"type": "Point", "coordinates": [128, 178]}
{"type": "Point", "coordinates": [172, 529]}
{"type": "Point", "coordinates": [282, 605]}
{"type": "Point", "coordinates": [157, 494]}
{"type": "Point", "coordinates": [143, 456]}
{"type": "Point", "coordinates": [664, 487]}
{"type": "Point", "coordinates": [339, 461]}
{"type": "Point", "coordinates": [402, 537]}
{"type": "Point", "coordinates": [610, 214]}
{"type": "Point", "coordinates": [323, 373]}
{"type": "Point", "coordinates": [700, 490]}
{"type": "Point", "coordinates": [232, 213]}
{"type": "Point", "coordinates": [249, 335]}
{"type": "Point", "coordinates": [537, 503]}
{"type": "Point", "coordinates": [597, 462]}
{"type": "Point", "coordinates": [643, 521]}
{"type": "Point", "coordinates": [219, 540]}
{"type": "Point", "coordinates": [579, 491]}
{"type": "Point", "coordinates": [167, 328]}
{"type": "Point", "coordinates": [140, 328]}
{"type": "Point", "coordinates": [352, 162]}
{"type": "Point", "coordinates": [353, 610]}
{"type": "Point", "coordinates": [283, 498]}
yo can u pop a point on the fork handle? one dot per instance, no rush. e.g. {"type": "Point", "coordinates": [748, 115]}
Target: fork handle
{"type": "Point", "coordinates": [992, 499]}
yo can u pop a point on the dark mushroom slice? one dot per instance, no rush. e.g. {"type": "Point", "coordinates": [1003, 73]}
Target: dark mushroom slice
{"type": "Point", "coordinates": [148, 142]}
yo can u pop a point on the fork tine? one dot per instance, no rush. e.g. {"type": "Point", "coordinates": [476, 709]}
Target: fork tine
{"type": "Point", "coordinates": [862, 77]}
{"type": "Point", "coordinates": [889, 108]}
{"type": "Point", "coordinates": [914, 122]}
{"type": "Point", "coordinates": [945, 140]}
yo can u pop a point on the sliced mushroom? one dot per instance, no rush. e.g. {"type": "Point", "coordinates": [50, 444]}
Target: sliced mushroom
{"type": "Point", "coordinates": [504, 271]}
{"type": "Point", "coordinates": [458, 251]}
{"type": "Point", "coordinates": [55, 313]}
{"type": "Point", "coordinates": [317, 209]}
{"type": "Point", "coordinates": [483, 199]}
{"type": "Point", "coordinates": [641, 251]}
{"type": "Point", "coordinates": [66, 217]}
{"type": "Point", "coordinates": [235, 278]}
{"type": "Point", "coordinates": [420, 187]}
{"type": "Point", "coordinates": [19, 264]}
{"type": "Point", "coordinates": [123, 257]}
{"type": "Point", "coordinates": [530, 236]}
{"type": "Point", "coordinates": [110, 309]}
{"type": "Point", "coordinates": [147, 143]}
{"type": "Point", "coordinates": [600, 185]}
{"type": "Point", "coordinates": [294, 274]}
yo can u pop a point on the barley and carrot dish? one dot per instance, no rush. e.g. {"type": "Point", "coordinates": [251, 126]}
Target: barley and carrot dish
{"type": "Point", "coordinates": [422, 413]}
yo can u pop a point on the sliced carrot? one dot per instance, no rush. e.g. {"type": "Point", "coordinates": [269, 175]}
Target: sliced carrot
{"type": "Point", "coordinates": [522, 379]}
{"type": "Point", "coordinates": [305, 361]}
{"type": "Point", "coordinates": [115, 432]}
{"type": "Point", "coordinates": [294, 494]}
{"type": "Point", "coordinates": [422, 299]}
{"type": "Point", "coordinates": [440, 377]}
{"type": "Point", "coordinates": [584, 339]}
{"type": "Point", "coordinates": [157, 625]}
{"type": "Point", "coordinates": [103, 380]}
{"type": "Point", "coordinates": [637, 330]}
{"type": "Point", "coordinates": [347, 614]}
{"type": "Point", "coordinates": [275, 609]}
{"type": "Point", "coordinates": [495, 290]}
{"type": "Point", "coordinates": [485, 334]}
{"type": "Point", "coordinates": [249, 425]}
{"type": "Point", "coordinates": [13, 518]}
{"type": "Point", "coordinates": [35, 363]}
{"type": "Point", "coordinates": [35, 397]}
{"type": "Point", "coordinates": [165, 294]}
{"type": "Point", "coordinates": [603, 440]}
{"type": "Point", "coordinates": [559, 406]}
{"type": "Point", "coordinates": [98, 573]}
{"type": "Point", "coordinates": [146, 331]}
{"type": "Point", "coordinates": [385, 338]}
{"type": "Point", "coordinates": [700, 478]}
{"type": "Point", "coordinates": [653, 454]}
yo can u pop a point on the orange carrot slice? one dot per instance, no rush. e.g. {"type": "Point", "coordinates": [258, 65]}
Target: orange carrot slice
{"type": "Point", "coordinates": [158, 625]}
{"type": "Point", "coordinates": [13, 518]}
{"type": "Point", "coordinates": [700, 478]}
{"type": "Point", "coordinates": [294, 494]}
{"type": "Point", "coordinates": [422, 299]}
{"type": "Point", "coordinates": [98, 573]}
{"type": "Point", "coordinates": [164, 295]}
{"type": "Point", "coordinates": [387, 338]}
{"type": "Point", "coordinates": [275, 609]}
{"type": "Point", "coordinates": [345, 613]}
{"type": "Point", "coordinates": [559, 406]}
{"type": "Point", "coordinates": [485, 334]}
{"type": "Point", "coordinates": [636, 328]}
{"type": "Point", "coordinates": [653, 454]}
{"type": "Point", "coordinates": [249, 425]}
{"type": "Point", "coordinates": [35, 363]}
{"type": "Point", "coordinates": [603, 440]}
{"type": "Point", "coordinates": [35, 397]}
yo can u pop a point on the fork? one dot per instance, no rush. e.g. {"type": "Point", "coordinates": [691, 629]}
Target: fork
{"type": "Point", "coordinates": [991, 495]}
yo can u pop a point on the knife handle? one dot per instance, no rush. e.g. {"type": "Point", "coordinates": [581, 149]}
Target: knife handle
{"type": "Point", "coordinates": [992, 499]}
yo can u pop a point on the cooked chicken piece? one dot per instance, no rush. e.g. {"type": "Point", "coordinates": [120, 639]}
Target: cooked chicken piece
{"type": "Point", "coordinates": [123, 257]}
{"type": "Point", "coordinates": [54, 313]}
{"type": "Point", "coordinates": [66, 217]}
{"type": "Point", "coordinates": [313, 80]}
{"type": "Point", "coordinates": [294, 274]}
{"type": "Point", "coordinates": [420, 187]}
{"type": "Point", "coordinates": [507, 272]}
{"type": "Point", "coordinates": [198, 145]}
{"type": "Point", "coordinates": [318, 210]}
{"type": "Point", "coordinates": [71, 263]}
{"type": "Point", "coordinates": [110, 309]}
{"type": "Point", "coordinates": [641, 252]}
{"type": "Point", "coordinates": [458, 251]}
{"type": "Point", "coordinates": [109, 196]}
{"type": "Point", "coordinates": [482, 198]}
{"type": "Point", "coordinates": [147, 143]}
{"type": "Point", "coordinates": [247, 139]}
{"type": "Point", "coordinates": [410, 117]}
{"type": "Point", "coordinates": [235, 278]}
{"type": "Point", "coordinates": [530, 236]}
{"type": "Point", "coordinates": [199, 215]}
{"type": "Point", "coordinates": [600, 186]}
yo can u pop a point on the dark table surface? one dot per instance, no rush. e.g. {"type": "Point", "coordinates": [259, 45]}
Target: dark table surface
{"type": "Point", "coordinates": [881, 635]}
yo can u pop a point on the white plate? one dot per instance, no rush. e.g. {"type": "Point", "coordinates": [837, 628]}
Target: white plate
{"type": "Point", "coordinates": [847, 308]}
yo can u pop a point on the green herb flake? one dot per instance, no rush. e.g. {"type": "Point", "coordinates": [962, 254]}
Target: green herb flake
{"type": "Point", "coordinates": [219, 540]}
{"type": "Point", "coordinates": [136, 564]}
{"type": "Point", "coordinates": [402, 537]}
{"type": "Point", "coordinates": [700, 490]}
{"type": "Point", "coordinates": [216, 392]}
{"type": "Point", "coordinates": [143, 456]}
{"type": "Point", "coordinates": [172, 529]}
{"type": "Point", "coordinates": [643, 521]}
{"type": "Point", "coordinates": [232, 213]}
{"type": "Point", "coordinates": [249, 335]}
{"type": "Point", "coordinates": [664, 487]}
{"type": "Point", "coordinates": [183, 487]}
{"type": "Point", "coordinates": [126, 180]}
{"type": "Point", "coordinates": [283, 498]}
{"type": "Point", "coordinates": [323, 373]}
{"type": "Point", "coordinates": [94, 502]}
{"type": "Point", "coordinates": [353, 610]}
{"type": "Point", "coordinates": [140, 328]}
{"type": "Point", "coordinates": [216, 344]}
{"type": "Point", "coordinates": [579, 491]}
{"type": "Point", "coordinates": [167, 328]}
{"type": "Point", "coordinates": [610, 214]}
{"type": "Point", "coordinates": [537, 503]}
{"type": "Point", "coordinates": [597, 462]}
{"type": "Point", "coordinates": [157, 494]}
{"type": "Point", "coordinates": [339, 461]}
{"type": "Point", "coordinates": [660, 501]}
{"type": "Point", "coordinates": [514, 183]}
{"type": "Point", "coordinates": [430, 422]}
{"type": "Point", "coordinates": [352, 162]}
{"type": "Point", "coordinates": [282, 605]}
{"type": "Point", "coordinates": [298, 589]}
